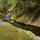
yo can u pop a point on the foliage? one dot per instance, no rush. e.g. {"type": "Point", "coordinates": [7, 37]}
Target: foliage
{"type": "Point", "coordinates": [23, 11]}
{"type": "Point", "coordinates": [6, 6]}
{"type": "Point", "coordinates": [26, 11]}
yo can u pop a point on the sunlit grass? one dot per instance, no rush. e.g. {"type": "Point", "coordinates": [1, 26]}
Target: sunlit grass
{"type": "Point", "coordinates": [9, 32]}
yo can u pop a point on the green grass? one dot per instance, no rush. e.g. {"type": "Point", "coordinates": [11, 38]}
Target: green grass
{"type": "Point", "coordinates": [9, 32]}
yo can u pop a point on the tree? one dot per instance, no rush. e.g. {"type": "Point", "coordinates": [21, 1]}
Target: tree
{"type": "Point", "coordinates": [14, 10]}
{"type": "Point", "coordinates": [27, 11]}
